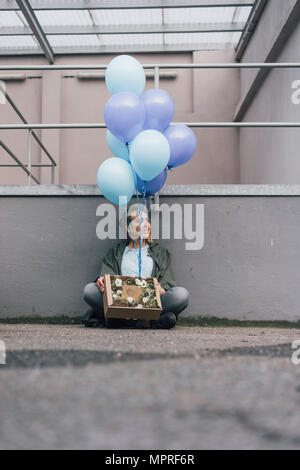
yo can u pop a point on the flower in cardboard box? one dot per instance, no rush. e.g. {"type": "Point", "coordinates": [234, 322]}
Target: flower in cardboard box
{"type": "Point", "coordinates": [118, 282]}
{"type": "Point", "coordinates": [130, 300]}
{"type": "Point", "coordinates": [145, 299]}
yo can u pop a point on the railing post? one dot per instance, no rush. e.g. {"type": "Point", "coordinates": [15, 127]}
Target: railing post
{"type": "Point", "coordinates": [52, 174]}
{"type": "Point", "coordinates": [29, 157]}
{"type": "Point", "coordinates": [156, 77]}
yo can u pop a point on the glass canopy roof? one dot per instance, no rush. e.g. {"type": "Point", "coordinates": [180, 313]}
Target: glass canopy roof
{"type": "Point", "coordinates": [54, 27]}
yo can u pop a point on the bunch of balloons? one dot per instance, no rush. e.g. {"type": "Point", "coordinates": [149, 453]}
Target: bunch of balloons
{"type": "Point", "coordinates": [139, 134]}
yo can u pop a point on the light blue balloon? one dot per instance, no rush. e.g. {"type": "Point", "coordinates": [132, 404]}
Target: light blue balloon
{"type": "Point", "coordinates": [125, 73]}
{"type": "Point", "coordinates": [149, 154]}
{"type": "Point", "coordinates": [115, 179]}
{"type": "Point", "coordinates": [118, 148]}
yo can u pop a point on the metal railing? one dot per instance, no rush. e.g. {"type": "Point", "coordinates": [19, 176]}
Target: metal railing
{"type": "Point", "coordinates": [156, 67]}
{"type": "Point", "coordinates": [31, 133]}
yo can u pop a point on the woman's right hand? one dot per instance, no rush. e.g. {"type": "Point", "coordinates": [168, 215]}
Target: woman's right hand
{"type": "Point", "coordinates": [100, 284]}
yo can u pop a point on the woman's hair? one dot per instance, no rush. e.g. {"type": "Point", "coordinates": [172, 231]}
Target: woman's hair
{"type": "Point", "coordinates": [129, 220]}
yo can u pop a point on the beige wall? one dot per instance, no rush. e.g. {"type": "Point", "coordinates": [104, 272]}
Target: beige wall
{"type": "Point", "coordinates": [271, 156]}
{"type": "Point", "coordinates": [58, 96]}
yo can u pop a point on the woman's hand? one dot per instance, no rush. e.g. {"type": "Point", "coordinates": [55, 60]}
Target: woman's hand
{"type": "Point", "coordinates": [161, 290]}
{"type": "Point", "coordinates": [100, 284]}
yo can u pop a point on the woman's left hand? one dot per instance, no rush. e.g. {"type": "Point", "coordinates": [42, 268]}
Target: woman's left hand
{"type": "Point", "coordinates": [161, 290]}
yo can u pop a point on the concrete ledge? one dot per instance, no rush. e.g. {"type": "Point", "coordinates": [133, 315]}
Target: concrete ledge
{"type": "Point", "coordinates": [167, 190]}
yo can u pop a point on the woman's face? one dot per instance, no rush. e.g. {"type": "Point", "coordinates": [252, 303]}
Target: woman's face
{"type": "Point", "coordinates": [134, 227]}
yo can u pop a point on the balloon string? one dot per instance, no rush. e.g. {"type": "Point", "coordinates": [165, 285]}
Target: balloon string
{"type": "Point", "coordinates": [139, 255]}
{"type": "Point", "coordinates": [137, 195]}
{"type": "Point", "coordinates": [127, 146]}
{"type": "Point", "coordinates": [144, 193]}
{"type": "Point", "coordinates": [140, 247]}
{"type": "Point", "coordinates": [144, 198]}
{"type": "Point", "coordinates": [140, 222]}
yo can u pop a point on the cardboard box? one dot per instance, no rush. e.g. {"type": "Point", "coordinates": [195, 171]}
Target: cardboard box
{"type": "Point", "coordinates": [131, 291]}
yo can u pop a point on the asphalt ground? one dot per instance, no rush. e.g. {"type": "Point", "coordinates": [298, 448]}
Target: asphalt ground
{"type": "Point", "coordinates": [70, 387]}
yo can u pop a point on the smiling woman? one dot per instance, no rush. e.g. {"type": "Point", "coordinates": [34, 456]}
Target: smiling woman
{"type": "Point", "coordinates": [137, 253]}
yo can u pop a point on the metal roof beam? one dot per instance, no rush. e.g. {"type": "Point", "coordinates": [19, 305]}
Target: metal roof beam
{"type": "Point", "coordinates": [126, 29]}
{"type": "Point", "coordinates": [123, 4]}
{"type": "Point", "coordinates": [36, 28]}
{"type": "Point", "coordinates": [250, 27]}
{"type": "Point", "coordinates": [83, 50]}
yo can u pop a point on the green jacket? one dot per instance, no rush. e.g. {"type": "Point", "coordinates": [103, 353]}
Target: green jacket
{"type": "Point", "coordinates": [162, 267]}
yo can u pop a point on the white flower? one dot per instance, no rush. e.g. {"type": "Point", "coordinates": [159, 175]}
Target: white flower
{"type": "Point", "coordinates": [130, 300]}
{"type": "Point", "coordinates": [145, 299]}
{"type": "Point", "coordinates": [139, 306]}
{"type": "Point", "coordinates": [144, 283]}
{"type": "Point", "coordinates": [115, 296]}
{"type": "Point", "coordinates": [138, 282]}
{"type": "Point", "coordinates": [118, 282]}
{"type": "Point", "coordinates": [119, 292]}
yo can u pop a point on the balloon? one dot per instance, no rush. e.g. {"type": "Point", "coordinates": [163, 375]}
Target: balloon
{"type": "Point", "coordinates": [149, 154]}
{"type": "Point", "coordinates": [125, 73]}
{"type": "Point", "coordinates": [153, 186]}
{"type": "Point", "coordinates": [182, 142]}
{"type": "Point", "coordinates": [159, 108]}
{"type": "Point", "coordinates": [117, 147]}
{"type": "Point", "coordinates": [115, 178]}
{"type": "Point", "coordinates": [124, 115]}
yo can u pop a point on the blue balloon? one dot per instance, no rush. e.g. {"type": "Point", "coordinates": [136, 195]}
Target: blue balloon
{"type": "Point", "coordinates": [118, 148]}
{"type": "Point", "coordinates": [153, 186]}
{"type": "Point", "coordinates": [115, 179]}
{"type": "Point", "coordinates": [183, 144]}
{"type": "Point", "coordinates": [125, 73]}
{"type": "Point", "coordinates": [149, 154]}
{"type": "Point", "coordinates": [124, 115]}
{"type": "Point", "coordinates": [159, 108]}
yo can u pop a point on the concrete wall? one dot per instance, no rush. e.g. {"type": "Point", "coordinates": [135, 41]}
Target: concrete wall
{"type": "Point", "coordinates": [249, 267]}
{"type": "Point", "coordinates": [58, 96]}
{"type": "Point", "coordinates": [271, 156]}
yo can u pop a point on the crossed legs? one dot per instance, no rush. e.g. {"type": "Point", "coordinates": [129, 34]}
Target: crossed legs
{"type": "Point", "coordinates": [175, 299]}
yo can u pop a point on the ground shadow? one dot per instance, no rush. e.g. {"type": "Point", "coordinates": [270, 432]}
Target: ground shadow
{"type": "Point", "coordinates": [79, 358]}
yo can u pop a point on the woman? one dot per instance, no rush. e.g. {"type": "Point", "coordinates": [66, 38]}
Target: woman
{"type": "Point", "coordinates": [123, 260]}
